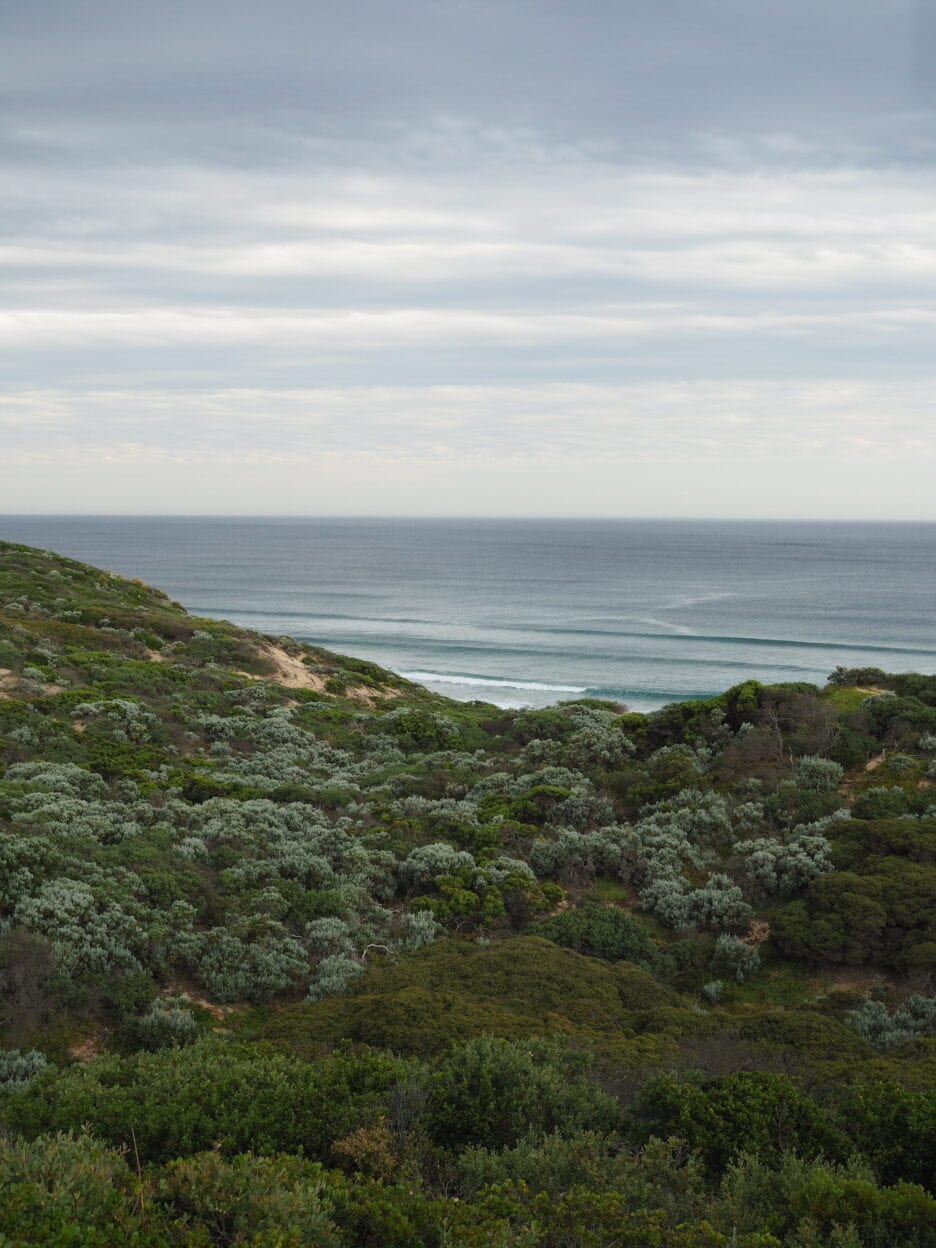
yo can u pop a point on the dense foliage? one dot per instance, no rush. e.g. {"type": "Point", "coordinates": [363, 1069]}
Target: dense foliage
{"type": "Point", "coordinates": [295, 952]}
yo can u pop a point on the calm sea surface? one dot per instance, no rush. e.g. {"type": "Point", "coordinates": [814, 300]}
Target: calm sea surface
{"type": "Point", "coordinates": [530, 611]}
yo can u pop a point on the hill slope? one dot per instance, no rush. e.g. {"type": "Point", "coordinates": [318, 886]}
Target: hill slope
{"type": "Point", "coordinates": [212, 842]}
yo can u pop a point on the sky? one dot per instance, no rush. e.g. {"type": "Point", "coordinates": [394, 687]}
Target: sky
{"type": "Point", "coordinates": [469, 257]}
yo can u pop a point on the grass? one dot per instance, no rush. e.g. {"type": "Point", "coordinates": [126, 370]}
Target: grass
{"type": "Point", "coordinates": [846, 699]}
{"type": "Point", "coordinates": [779, 984]}
{"type": "Point", "coordinates": [612, 893]}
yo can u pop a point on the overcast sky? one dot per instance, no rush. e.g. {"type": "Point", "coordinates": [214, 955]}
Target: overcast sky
{"type": "Point", "coordinates": [567, 257]}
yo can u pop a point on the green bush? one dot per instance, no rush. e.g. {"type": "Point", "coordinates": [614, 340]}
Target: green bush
{"type": "Point", "coordinates": [805, 1203]}
{"type": "Point", "coordinates": [601, 932]}
{"type": "Point", "coordinates": [212, 1094]}
{"type": "Point", "coordinates": [491, 1093]}
{"type": "Point", "coordinates": [264, 1202]}
{"type": "Point", "coordinates": [718, 1117]}
{"type": "Point", "coordinates": [894, 1128]}
{"type": "Point", "coordinates": [69, 1191]}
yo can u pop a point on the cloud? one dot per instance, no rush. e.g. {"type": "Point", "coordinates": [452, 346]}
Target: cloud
{"type": "Point", "coordinates": [753, 422]}
{"type": "Point", "coordinates": [466, 231]}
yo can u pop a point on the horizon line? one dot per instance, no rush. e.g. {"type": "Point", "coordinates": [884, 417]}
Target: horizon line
{"type": "Point", "coordinates": [231, 515]}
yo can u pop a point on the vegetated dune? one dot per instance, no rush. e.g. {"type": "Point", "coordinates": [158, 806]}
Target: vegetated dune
{"type": "Point", "coordinates": [295, 951]}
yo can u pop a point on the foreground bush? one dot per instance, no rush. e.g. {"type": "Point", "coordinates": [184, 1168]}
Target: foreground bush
{"type": "Point", "coordinates": [234, 1098]}
{"type": "Point", "coordinates": [492, 1093]}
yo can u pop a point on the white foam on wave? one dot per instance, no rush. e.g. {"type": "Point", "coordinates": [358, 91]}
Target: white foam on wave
{"type": "Point", "coordinates": [489, 682]}
{"type": "Point", "coordinates": [642, 619]}
{"type": "Point", "coordinates": [680, 629]}
{"type": "Point", "coordinates": [694, 600]}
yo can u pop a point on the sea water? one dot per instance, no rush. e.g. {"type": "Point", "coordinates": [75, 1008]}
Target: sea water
{"type": "Point", "coordinates": [527, 612]}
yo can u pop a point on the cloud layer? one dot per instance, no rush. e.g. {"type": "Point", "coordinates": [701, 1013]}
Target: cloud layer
{"type": "Point", "coordinates": [455, 234]}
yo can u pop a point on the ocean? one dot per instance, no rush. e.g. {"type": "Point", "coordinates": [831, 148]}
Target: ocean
{"type": "Point", "coordinates": [528, 612]}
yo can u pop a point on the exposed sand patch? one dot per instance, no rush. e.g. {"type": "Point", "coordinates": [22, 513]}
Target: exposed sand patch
{"type": "Point", "coordinates": [560, 908]}
{"type": "Point", "coordinates": [179, 988]}
{"type": "Point", "coordinates": [292, 673]}
{"type": "Point", "coordinates": [9, 685]}
{"type": "Point", "coordinates": [874, 763]}
{"type": "Point", "coordinates": [371, 697]}
{"type": "Point", "coordinates": [757, 933]}
{"type": "Point", "coordinates": [290, 670]}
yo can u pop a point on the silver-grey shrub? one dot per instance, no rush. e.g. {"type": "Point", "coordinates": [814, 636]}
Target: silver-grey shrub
{"type": "Point", "coordinates": [785, 866]}
{"type": "Point", "coordinates": [333, 975]}
{"type": "Point", "coordinates": [669, 899]}
{"type": "Point", "coordinates": [720, 905]}
{"type": "Point", "coordinates": [328, 936]}
{"type": "Point", "coordinates": [914, 1017]}
{"type": "Point", "coordinates": [125, 720]}
{"type": "Point", "coordinates": [419, 928]}
{"type": "Point", "coordinates": [234, 969]}
{"type": "Point", "coordinates": [818, 775]}
{"type": "Point", "coordinates": [168, 1021]}
{"type": "Point", "coordinates": [428, 862]}
{"type": "Point", "coordinates": [735, 958]}
{"type": "Point", "coordinates": [17, 1070]}
{"type": "Point", "coordinates": [87, 934]}
{"type": "Point", "coordinates": [582, 809]}
{"type": "Point", "coordinates": [579, 856]}
{"type": "Point", "coordinates": [66, 778]}
{"type": "Point", "coordinates": [598, 740]}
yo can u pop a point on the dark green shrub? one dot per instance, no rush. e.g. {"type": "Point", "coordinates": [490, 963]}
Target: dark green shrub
{"type": "Point", "coordinates": [212, 1094]}
{"type": "Point", "coordinates": [601, 932]}
{"type": "Point", "coordinates": [69, 1192]}
{"type": "Point", "coordinates": [893, 1127]}
{"type": "Point", "coordinates": [270, 1202]}
{"type": "Point", "coordinates": [491, 1093]}
{"type": "Point", "coordinates": [761, 1114]}
{"type": "Point", "coordinates": [808, 1036]}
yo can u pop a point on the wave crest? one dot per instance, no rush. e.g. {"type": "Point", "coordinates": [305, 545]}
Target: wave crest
{"type": "Point", "coordinates": [442, 678]}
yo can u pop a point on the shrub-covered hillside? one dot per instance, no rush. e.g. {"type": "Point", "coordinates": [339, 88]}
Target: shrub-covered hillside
{"type": "Point", "coordinates": [295, 952]}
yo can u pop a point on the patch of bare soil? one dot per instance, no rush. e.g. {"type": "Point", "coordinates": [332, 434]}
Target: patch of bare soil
{"type": "Point", "coordinates": [85, 1049]}
{"type": "Point", "coordinates": [372, 697]}
{"type": "Point", "coordinates": [757, 933]}
{"type": "Point", "coordinates": [9, 682]}
{"type": "Point", "coordinates": [874, 763]}
{"type": "Point", "coordinates": [178, 988]}
{"type": "Point", "coordinates": [292, 673]}
{"type": "Point", "coordinates": [289, 670]}
{"type": "Point", "coordinates": [860, 979]}
{"type": "Point", "coordinates": [560, 908]}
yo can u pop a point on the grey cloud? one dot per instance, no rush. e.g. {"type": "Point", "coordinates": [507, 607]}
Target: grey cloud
{"type": "Point", "coordinates": [445, 231]}
{"type": "Point", "coordinates": [635, 74]}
